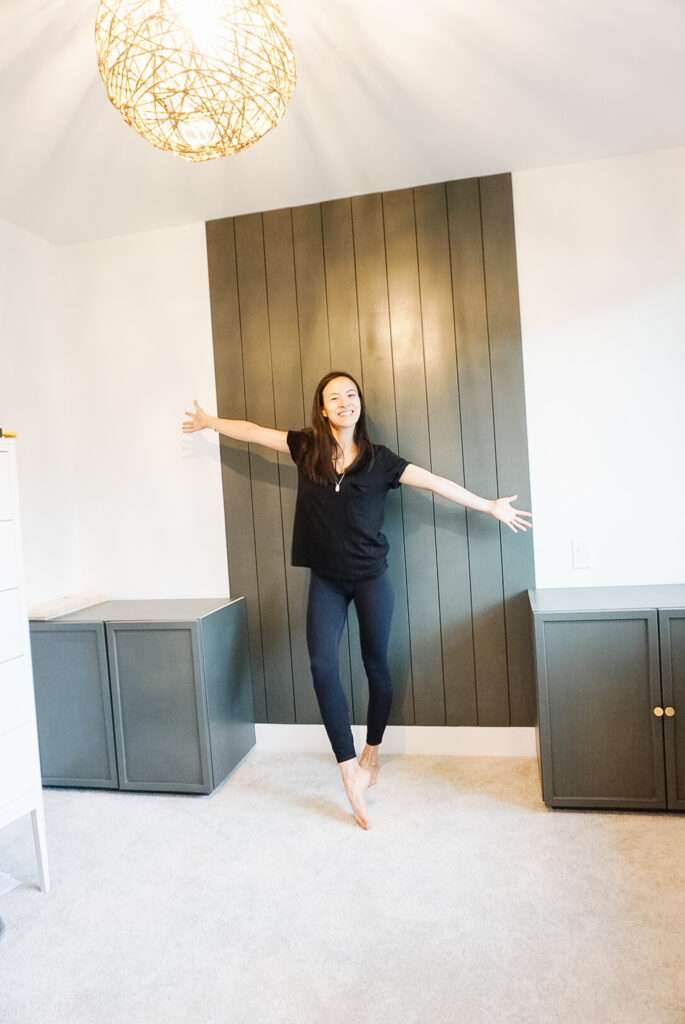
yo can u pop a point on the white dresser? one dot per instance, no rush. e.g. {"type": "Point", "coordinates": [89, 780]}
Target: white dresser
{"type": "Point", "coordinates": [20, 780]}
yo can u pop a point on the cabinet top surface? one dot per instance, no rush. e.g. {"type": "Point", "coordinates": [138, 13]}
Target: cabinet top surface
{"type": "Point", "coordinates": [174, 610]}
{"type": "Point", "coordinates": [585, 599]}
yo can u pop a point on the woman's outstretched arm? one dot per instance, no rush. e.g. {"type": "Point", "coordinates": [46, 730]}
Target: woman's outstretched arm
{"type": "Point", "coordinates": [500, 508]}
{"type": "Point", "coordinates": [240, 430]}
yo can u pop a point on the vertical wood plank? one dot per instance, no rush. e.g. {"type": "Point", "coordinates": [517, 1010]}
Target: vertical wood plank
{"type": "Point", "coordinates": [341, 298]}
{"type": "Point", "coordinates": [501, 282]}
{"type": "Point", "coordinates": [414, 444]}
{"type": "Point", "coordinates": [479, 449]}
{"type": "Point", "coordinates": [442, 388]}
{"type": "Point", "coordinates": [235, 461]}
{"type": "Point", "coordinates": [315, 349]}
{"type": "Point", "coordinates": [289, 414]}
{"type": "Point", "coordinates": [379, 395]}
{"type": "Point", "coordinates": [266, 504]}
{"type": "Point", "coordinates": [341, 286]}
{"type": "Point", "coordinates": [312, 310]}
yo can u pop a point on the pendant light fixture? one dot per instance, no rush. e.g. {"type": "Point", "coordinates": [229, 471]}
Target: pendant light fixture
{"type": "Point", "coordinates": [200, 78]}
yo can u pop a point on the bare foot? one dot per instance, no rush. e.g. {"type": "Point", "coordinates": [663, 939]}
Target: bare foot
{"type": "Point", "coordinates": [356, 781]}
{"type": "Point", "coordinates": [369, 761]}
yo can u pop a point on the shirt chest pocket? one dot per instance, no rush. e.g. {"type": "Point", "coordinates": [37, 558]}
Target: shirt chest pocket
{"type": "Point", "coordinates": [365, 507]}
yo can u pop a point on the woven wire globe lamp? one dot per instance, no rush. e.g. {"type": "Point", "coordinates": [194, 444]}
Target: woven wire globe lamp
{"type": "Point", "coordinates": [200, 78]}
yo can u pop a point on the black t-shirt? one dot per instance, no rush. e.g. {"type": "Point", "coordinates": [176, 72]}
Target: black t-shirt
{"type": "Point", "coordinates": [338, 533]}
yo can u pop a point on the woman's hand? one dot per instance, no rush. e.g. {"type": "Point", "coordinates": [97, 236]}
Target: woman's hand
{"type": "Point", "coordinates": [199, 420]}
{"type": "Point", "coordinates": [511, 517]}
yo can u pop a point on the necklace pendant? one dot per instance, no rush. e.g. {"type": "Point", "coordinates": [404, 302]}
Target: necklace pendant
{"type": "Point", "coordinates": [337, 487]}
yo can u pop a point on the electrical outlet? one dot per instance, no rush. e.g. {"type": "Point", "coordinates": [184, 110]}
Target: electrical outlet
{"type": "Point", "coordinates": [581, 554]}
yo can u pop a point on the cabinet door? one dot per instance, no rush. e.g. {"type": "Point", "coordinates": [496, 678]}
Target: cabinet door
{"type": "Point", "coordinates": [598, 683]}
{"type": "Point", "coordinates": [672, 632]}
{"type": "Point", "coordinates": [73, 706]}
{"type": "Point", "coordinates": [160, 717]}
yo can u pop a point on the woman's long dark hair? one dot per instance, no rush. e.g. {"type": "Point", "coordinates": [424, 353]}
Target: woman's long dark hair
{"type": "Point", "coordinates": [318, 461]}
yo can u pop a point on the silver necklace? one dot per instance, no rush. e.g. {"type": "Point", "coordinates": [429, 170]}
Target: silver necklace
{"type": "Point", "coordinates": [342, 476]}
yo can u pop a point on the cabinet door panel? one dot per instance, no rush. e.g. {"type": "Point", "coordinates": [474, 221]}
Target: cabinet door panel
{"type": "Point", "coordinates": [159, 711]}
{"type": "Point", "coordinates": [672, 629]}
{"type": "Point", "coordinates": [602, 745]}
{"type": "Point", "coordinates": [73, 706]}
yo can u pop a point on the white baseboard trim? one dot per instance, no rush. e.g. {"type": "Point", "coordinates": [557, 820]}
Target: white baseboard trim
{"type": "Point", "coordinates": [478, 741]}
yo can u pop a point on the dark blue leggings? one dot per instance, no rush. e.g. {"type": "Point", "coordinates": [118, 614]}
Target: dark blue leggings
{"type": "Point", "coordinates": [326, 616]}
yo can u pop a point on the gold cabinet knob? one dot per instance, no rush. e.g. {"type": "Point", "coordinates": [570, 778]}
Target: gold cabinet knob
{"type": "Point", "coordinates": [670, 712]}
{"type": "Point", "coordinates": [659, 712]}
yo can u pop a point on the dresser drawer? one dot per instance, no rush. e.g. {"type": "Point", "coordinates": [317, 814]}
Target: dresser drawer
{"type": "Point", "coordinates": [19, 769]}
{"type": "Point", "coordinates": [7, 509]}
{"type": "Point", "coordinates": [12, 626]}
{"type": "Point", "coordinates": [10, 555]}
{"type": "Point", "coordinates": [16, 703]}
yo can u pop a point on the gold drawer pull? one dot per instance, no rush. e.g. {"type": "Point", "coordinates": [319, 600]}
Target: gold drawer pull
{"type": "Point", "coordinates": [659, 712]}
{"type": "Point", "coordinates": [670, 712]}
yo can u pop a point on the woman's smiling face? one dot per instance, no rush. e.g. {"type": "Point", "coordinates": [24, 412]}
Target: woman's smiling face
{"type": "Point", "coordinates": [341, 402]}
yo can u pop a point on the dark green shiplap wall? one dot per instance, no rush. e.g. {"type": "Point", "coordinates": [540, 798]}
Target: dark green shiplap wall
{"type": "Point", "coordinates": [415, 293]}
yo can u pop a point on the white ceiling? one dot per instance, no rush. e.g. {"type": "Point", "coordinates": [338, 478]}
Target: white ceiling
{"type": "Point", "coordinates": [390, 94]}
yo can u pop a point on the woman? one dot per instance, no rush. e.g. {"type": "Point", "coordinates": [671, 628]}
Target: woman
{"type": "Point", "coordinates": [343, 480]}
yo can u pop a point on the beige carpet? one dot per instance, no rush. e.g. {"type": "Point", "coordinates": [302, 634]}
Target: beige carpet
{"type": "Point", "coordinates": [467, 902]}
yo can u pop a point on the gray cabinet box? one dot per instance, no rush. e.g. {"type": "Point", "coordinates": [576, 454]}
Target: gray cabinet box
{"type": "Point", "coordinates": [144, 695]}
{"type": "Point", "coordinates": [610, 667]}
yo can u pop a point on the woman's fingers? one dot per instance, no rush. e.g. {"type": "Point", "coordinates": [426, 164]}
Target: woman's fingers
{"type": "Point", "coordinates": [191, 425]}
{"type": "Point", "coordinates": [511, 517]}
{"type": "Point", "coordinates": [518, 511]}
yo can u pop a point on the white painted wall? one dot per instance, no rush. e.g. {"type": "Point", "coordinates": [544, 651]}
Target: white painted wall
{"type": "Point", "coordinates": [37, 399]}
{"type": "Point", "coordinates": [140, 348]}
{"type": "Point", "coordinates": [102, 348]}
{"type": "Point", "coordinates": [601, 264]}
